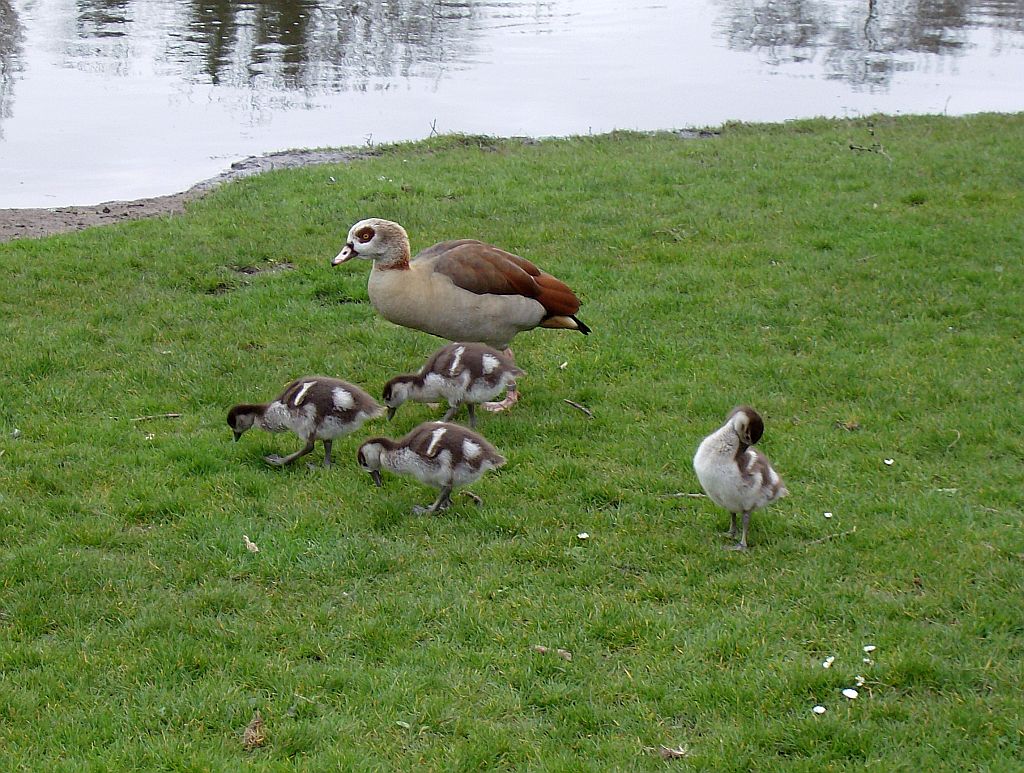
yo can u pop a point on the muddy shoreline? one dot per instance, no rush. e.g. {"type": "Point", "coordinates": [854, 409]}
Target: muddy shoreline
{"type": "Point", "coordinates": [36, 222]}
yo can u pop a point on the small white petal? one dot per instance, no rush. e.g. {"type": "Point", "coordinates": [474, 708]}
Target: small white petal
{"type": "Point", "coordinates": [583, 535]}
{"type": "Point", "coordinates": [564, 365]}
{"type": "Point", "coordinates": [870, 647]}
{"type": "Point", "coordinates": [859, 680]}
{"type": "Point", "coordinates": [850, 693]}
{"type": "Point", "coordinates": [819, 709]}
{"type": "Point", "coordinates": [869, 661]}
{"type": "Point", "coordinates": [828, 515]}
{"type": "Point", "coordinates": [889, 461]}
{"type": "Point", "coordinates": [827, 663]}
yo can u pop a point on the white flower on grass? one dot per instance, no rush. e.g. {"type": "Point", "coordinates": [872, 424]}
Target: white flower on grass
{"type": "Point", "coordinates": [850, 693]}
{"type": "Point", "coordinates": [819, 709]}
{"type": "Point", "coordinates": [889, 462]}
{"type": "Point", "coordinates": [870, 648]}
{"type": "Point", "coordinates": [828, 515]}
{"type": "Point", "coordinates": [827, 662]}
{"type": "Point", "coordinates": [583, 535]}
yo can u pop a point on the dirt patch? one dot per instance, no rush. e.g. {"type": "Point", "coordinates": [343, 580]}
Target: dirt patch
{"type": "Point", "coordinates": [34, 223]}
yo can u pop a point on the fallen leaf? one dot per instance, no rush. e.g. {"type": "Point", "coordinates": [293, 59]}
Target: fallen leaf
{"type": "Point", "coordinates": [673, 754]}
{"type": "Point", "coordinates": [255, 735]}
{"type": "Point", "coordinates": [564, 654]}
{"type": "Point", "coordinates": [251, 546]}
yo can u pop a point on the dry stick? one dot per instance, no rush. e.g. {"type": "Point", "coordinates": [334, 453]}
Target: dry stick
{"type": "Point", "coordinates": [876, 148]}
{"type": "Point", "coordinates": [827, 537]}
{"type": "Point", "coordinates": [158, 416]}
{"type": "Point", "coordinates": [579, 407]}
{"type": "Point", "coordinates": [679, 494]}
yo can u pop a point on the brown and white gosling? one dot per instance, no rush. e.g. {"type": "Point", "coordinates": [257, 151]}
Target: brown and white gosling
{"type": "Point", "coordinates": [462, 290]}
{"type": "Point", "coordinates": [314, 408]}
{"type": "Point", "coordinates": [461, 373]}
{"type": "Point", "coordinates": [436, 453]}
{"type": "Point", "coordinates": [733, 473]}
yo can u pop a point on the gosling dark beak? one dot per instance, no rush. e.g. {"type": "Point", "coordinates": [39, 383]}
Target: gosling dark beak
{"type": "Point", "coordinates": [347, 253]}
{"type": "Point", "coordinates": [237, 435]}
{"type": "Point", "coordinates": [375, 474]}
{"type": "Point", "coordinates": [391, 413]}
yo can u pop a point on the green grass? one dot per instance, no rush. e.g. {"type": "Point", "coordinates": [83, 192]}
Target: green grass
{"type": "Point", "coordinates": [771, 265]}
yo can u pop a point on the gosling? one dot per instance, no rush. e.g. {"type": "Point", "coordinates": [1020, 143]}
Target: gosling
{"type": "Point", "coordinates": [462, 373]}
{"type": "Point", "coordinates": [733, 473]}
{"type": "Point", "coordinates": [314, 408]}
{"type": "Point", "coordinates": [437, 454]}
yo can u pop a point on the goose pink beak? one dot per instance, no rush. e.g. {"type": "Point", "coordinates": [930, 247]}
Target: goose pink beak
{"type": "Point", "coordinates": [347, 253]}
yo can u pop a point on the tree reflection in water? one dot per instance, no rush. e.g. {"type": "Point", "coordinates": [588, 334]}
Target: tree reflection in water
{"type": "Point", "coordinates": [863, 42]}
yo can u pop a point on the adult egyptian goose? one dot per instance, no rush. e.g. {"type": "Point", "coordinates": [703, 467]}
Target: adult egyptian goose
{"type": "Point", "coordinates": [314, 408]}
{"type": "Point", "coordinates": [436, 453]}
{"type": "Point", "coordinates": [461, 373]}
{"type": "Point", "coordinates": [462, 290]}
{"type": "Point", "coordinates": [733, 473]}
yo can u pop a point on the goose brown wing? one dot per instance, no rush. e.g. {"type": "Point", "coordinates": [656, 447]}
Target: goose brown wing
{"type": "Point", "coordinates": [483, 269]}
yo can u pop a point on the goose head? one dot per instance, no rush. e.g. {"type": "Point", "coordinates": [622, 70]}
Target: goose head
{"type": "Point", "coordinates": [369, 459]}
{"type": "Point", "coordinates": [747, 424]}
{"type": "Point", "coordinates": [382, 241]}
{"type": "Point", "coordinates": [241, 418]}
{"type": "Point", "coordinates": [396, 392]}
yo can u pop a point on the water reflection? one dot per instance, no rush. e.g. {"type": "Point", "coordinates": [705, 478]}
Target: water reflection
{"type": "Point", "coordinates": [286, 44]}
{"type": "Point", "coordinates": [862, 42]}
{"type": "Point", "coordinates": [10, 48]}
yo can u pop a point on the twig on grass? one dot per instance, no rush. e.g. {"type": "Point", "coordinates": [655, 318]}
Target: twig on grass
{"type": "Point", "coordinates": [680, 494]}
{"type": "Point", "coordinates": [583, 408]}
{"type": "Point", "coordinates": [827, 537]}
{"type": "Point", "coordinates": [955, 441]}
{"type": "Point", "coordinates": [157, 416]}
{"type": "Point", "coordinates": [876, 148]}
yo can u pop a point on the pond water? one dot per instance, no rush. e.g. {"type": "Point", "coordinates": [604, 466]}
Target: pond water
{"type": "Point", "coordinates": [118, 99]}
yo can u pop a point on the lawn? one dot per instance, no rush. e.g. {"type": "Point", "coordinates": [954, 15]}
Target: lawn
{"type": "Point", "coordinates": [860, 282]}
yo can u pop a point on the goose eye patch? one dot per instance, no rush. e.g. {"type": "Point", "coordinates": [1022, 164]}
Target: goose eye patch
{"type": "Point", "coordinates": [364, 234]}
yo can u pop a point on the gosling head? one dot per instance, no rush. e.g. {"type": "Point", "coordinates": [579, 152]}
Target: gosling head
{"type": "Point", "coordinates": [747, 423]}
{"type": "Point", "coordinates": [242, 417]}
{"type": "Point", "coordinates": [369, 458]}
{"type": "Point", "coordinates": [396, 392]}
{"type": "Point", "coordinates": [375, 239]}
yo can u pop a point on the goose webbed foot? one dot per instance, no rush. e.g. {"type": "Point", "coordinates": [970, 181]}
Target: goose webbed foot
{"type": "Point", "coordinates": [276, 460]}
{"type": "Point", "coordinates": [443, 501]}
